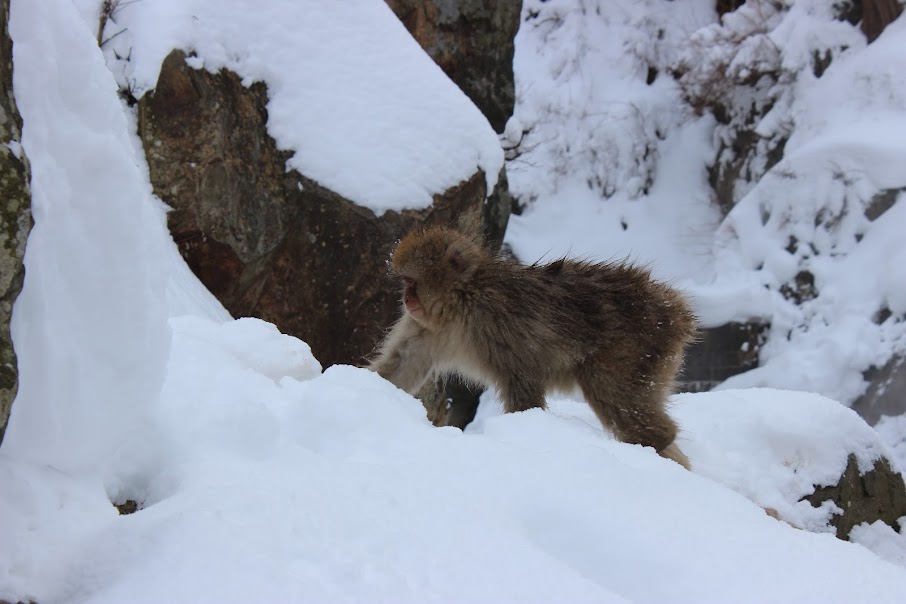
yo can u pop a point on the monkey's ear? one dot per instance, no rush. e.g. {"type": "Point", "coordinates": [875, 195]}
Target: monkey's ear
{"type": "Point", "coordinates": [457, 262]}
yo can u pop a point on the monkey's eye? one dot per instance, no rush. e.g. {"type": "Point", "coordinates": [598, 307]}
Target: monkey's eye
{"type": "Point", "coordinates": [408, 282]}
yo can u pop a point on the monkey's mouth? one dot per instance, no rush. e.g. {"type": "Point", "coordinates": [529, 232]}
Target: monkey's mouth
{"type": "Point", "coordinates": [415, 308]}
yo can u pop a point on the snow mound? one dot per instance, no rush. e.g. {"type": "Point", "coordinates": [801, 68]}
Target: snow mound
{"type": "Point", "coordinates": [771, 446]}
{"type": "Point", "coordinates": [256, 346]}
{"type": "Point", "coordinates": [776, 446]}
{"type": "Point", "coordinates": [338, 489]}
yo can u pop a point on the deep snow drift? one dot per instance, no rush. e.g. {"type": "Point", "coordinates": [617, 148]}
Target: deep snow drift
{"type": "Point", "coordinates": [263, 479]}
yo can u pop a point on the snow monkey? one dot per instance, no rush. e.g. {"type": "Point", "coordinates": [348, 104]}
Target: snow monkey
{"type": "Point", "coordinates": [607, 328]}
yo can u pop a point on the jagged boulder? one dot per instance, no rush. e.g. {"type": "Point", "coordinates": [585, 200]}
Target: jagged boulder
{"type": "Point", "coordinates": [15, 217]}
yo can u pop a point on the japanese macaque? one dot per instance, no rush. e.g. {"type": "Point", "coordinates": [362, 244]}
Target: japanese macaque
{"type": "Point", "coordinates": [607, 328]}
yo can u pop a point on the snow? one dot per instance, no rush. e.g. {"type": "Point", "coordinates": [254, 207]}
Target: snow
{"type": "Point", "coordinates": [610, 166]}
{"type": "Point", "coordinates": [771, 446]}
{"type": "Point", "coordinates": [775, 446]}
{"type": "Point", "coordinates": [262, 478]}
{"type": "Point", "coordinates": [88, 201]}
{"type": "Point", "coordinates": [365, 111]}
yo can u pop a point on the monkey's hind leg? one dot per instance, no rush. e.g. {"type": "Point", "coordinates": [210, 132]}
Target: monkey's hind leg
{"type": "Point", "coordinates": [672, 451]}
{"type": "Point", "coordinates": [636, 414]}
{"type": "Point", "coordinates": [521, 395]}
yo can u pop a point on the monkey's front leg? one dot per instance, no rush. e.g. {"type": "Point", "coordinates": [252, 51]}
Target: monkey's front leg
{"type": "Point", "coordinates": [404, 358]}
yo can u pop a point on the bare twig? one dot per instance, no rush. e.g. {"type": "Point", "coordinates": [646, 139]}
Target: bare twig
{"type": "Point", "coordinates": [112, 37]}
{"type": "Point", "coordinates": [109, 8]}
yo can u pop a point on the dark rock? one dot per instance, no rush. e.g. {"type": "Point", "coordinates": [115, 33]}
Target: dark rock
{"type": "Point", "coordinates": [728, 6]}
{"type": "Point", "coordinates": [272, 243]}
{"type": "Point", "coordinates": [472, 41]}
{"type": "Point", "coordinates": [874, 15]}
{"type": "Point", "coordinates": [878, 494]}
{"type": "Point", "coordinates": [130, 506]}
{"type": "Point", "coordinates": [877, 15]}
{"type": "Point", "coordinates": [881, 202]}
{"type": "Point", "coordinates": [886, 394]}
{"type": "Point", "coordinates": [720, 353]}
{"type": "Point", "coordinates": [801, 289]}
{"type": "Point", "coordinates": [450, 402]}
{"type": "Point", "coordinates": [15, 219]}
{"type": "Point", "coordinates": [736, 161]}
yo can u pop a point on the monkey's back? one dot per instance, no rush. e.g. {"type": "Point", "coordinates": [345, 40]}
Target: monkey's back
{"type": "Point", "coordinates": [552, 320]}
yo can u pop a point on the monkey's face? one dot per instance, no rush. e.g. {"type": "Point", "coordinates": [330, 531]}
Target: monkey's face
{"type": "Point", "coordinates": [434, 265]}
{"type": "Point", "coordinates": [410, 299]}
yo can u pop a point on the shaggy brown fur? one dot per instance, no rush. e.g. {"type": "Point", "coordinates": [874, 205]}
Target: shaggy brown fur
{"type": "Point", "coordinates": [605, 327]}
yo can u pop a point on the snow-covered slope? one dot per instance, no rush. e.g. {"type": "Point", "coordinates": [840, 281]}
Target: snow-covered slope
{"type": "Point", "coordinates": [263, 479]}
{"type": "Point", "coordinates": [613, 162]}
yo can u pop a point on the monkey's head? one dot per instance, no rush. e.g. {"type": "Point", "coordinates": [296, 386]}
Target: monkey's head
{"type": "Point", "coordinates": [435, 266]}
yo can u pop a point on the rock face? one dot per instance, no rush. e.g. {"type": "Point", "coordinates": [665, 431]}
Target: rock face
{"type": "Point", "coordinates": [472, 41]}
{"type": "Point", "coordinates": [719, 353]}
{"type": "Point", "coordinates": [878, 494]}
{"type": "Point", "coordinates": [270, 243]}
{"type": "Point", "coordinates": [15, 218]}
{"type": "Point", "coordinates": [873, 15]}
{"type": "Point", "coordinates": [886, 393]}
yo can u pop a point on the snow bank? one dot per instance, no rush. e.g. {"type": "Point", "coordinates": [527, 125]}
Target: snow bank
{"type": "Point", "coordinates": [366, 112]}
{"type": "Point", "coordinates": [337, 489]}
{"type": "Point", "coordinates": [771, 446]}
{"type": "Point", "coordinates": [90, 325]}
{"type": "Point", "coordinates": [776, 446]}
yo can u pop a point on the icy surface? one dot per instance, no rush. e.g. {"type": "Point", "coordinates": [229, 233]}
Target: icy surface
{"type": "Point", "coordinates": [365, 111]}
{"type": "Point", "coordinates": [262, 479]}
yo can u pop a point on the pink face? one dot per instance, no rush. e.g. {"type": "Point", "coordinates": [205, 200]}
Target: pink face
{"type": "Point", "coordinates": [410, 298]}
